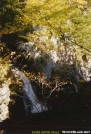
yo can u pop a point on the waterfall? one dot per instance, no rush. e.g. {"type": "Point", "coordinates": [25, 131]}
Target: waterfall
{"type": "Point", "coordinates": [49, 68]}
{"type": "Point", "coordinates": [29, 97]}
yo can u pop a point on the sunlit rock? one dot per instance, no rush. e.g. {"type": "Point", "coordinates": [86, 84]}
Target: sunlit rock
{"type": "Point", "coordinates": [59, 53]}
{"type": "Point", "coordinates": [85, 74]}
{"type": "Point", "coordinates": [25, 46]}
{"type": "Point", "coordinates": [4, 101]}
{"type": "Point", "coordinates": [54, 56]}
{"type": "Point", "coordinates": [55, 41]}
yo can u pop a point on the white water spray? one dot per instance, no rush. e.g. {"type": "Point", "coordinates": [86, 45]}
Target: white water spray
{"type": "Point", "coordinates": [30, 99]}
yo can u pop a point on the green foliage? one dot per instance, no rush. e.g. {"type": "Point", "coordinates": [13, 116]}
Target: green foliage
{"type": "Point", "coordinates": [10, 15]}
{"type": "Point", "coordinates": [60, 17]}
{"type": "Point", "coordinates": [4, 70]}
{"type": "Point", "coordinates": [4, 51]}
{"type": "Point", "coordinates": [5, 64]}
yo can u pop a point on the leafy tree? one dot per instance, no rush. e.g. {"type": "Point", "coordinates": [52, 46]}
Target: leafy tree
{"type": "Point", "coordinates": [59, 17]}
{"type": "Point", "coordinates": [10, 15]}
{"type": "Point", "coordinates": [67, 19]}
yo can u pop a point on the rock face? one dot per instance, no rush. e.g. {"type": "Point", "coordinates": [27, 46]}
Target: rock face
{"type": "Point", "coordinates": [4, 101]}
{"type": "Point", "coordinates": [56, 54]}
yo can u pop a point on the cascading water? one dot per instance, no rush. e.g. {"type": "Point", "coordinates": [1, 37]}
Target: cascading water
{"type": "Point", "coordinates": [30, 99]}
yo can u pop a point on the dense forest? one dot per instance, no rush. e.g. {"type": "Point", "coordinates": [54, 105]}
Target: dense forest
{"type": "Point", "coordinates": [45, 64]}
